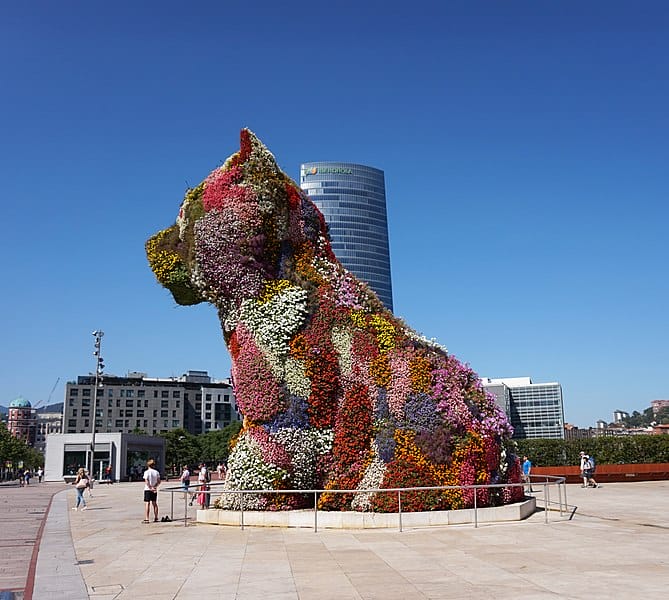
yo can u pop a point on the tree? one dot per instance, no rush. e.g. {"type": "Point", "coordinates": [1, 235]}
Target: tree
{"type": "Point", "coordinates": [181, 448]}
{"type": "Point", "coordinates": [14, 450]}
{"type": "Point", "coordinates": [215, 445]}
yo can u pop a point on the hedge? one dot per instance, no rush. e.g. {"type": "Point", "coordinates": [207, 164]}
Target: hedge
{"type": "Point", "coordinates": [633, 449]}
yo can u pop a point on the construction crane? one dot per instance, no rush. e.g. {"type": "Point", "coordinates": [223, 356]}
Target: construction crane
{"type": "Point", "coordinates": [49, 396]}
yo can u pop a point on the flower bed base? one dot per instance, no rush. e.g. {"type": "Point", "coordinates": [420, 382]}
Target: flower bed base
{"type": "Point", "coordinates": [367, 520]}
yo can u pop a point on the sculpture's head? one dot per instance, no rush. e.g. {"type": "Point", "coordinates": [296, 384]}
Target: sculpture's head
{"type": "Point", "coordinates": [245, 224]}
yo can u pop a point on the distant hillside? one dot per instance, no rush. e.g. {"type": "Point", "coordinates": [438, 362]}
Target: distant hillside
{"type": "Point", "coordinates": [52, 408]}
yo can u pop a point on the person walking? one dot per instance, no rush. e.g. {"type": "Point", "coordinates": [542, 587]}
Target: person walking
{"type": "Point", "coordinates": [40, 473]}
{"type": "Point", "coordinates": [26, 477]}
{"type": "Point", "coordinates": [527, 470]}
{"type": "Point", "coordinates": [151, 483]}
{"type": "Point", "coordinates": [587, 471]}
{"type": "Point", "coordinates": [80, 484]}
{"type": "Point", "coordinates": [203, 479]}
{"type": "Point", "coordinates": [185, 478]}
{"type": "Point", "coordinates": [221, 470]}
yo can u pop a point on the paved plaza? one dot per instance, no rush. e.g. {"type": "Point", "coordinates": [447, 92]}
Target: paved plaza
{"type": "Point", "coordinates": [614, 547]}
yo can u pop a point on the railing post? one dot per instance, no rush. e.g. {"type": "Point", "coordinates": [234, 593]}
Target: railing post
{"type": "Point", "coordinates": [315, 512]}
{"type": "Point", "coordinates": [241, 507]}
{"type": "Point", "coordinates": [185, 509]}
{"type": "Point", "coordinates": [546, 501]}
{"type": "Point", "coordinates": [476, 510]}
{"type": "Point", "coordinates": [399, 507]}
{"type": "Point", "coordinates": [171, 505]}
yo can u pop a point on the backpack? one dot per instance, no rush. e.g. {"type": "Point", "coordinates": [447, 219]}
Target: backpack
{"type": "Point", "coordinates": [591, 464]}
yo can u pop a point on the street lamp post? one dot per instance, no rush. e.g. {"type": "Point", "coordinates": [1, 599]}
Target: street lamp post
{"type": "Point", "coordinates": [99, 368]}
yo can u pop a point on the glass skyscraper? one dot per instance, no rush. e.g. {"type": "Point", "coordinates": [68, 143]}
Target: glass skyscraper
{"type": "Point", "coordinates": [352, 199]}
{"type": "Point", "coordinates": [534, 409]}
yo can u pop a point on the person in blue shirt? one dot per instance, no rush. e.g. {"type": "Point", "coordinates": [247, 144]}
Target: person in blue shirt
{"type": "Point", "coordinates": [527, 470]}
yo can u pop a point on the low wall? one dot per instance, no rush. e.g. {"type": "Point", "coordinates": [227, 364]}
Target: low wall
{"type": "Point", "coordinates": [367, 520]}
{"type": "Point", "coordinates": [609, 473]}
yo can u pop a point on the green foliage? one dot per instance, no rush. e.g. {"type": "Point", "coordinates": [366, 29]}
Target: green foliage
{"type": "Point", "coordinates": [637, 419]}
{"type": "Point", "coordinates": [182, 447]}
{"type": "Point", "coordinates": [14, 450]}
{"type": "Point", "coordinates": [629, 449]}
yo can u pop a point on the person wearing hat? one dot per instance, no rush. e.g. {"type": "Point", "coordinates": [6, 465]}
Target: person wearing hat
{"type": "Point", "coordinates": [586, 471]}
{"type": "Point", "coordinates": [582, 467]}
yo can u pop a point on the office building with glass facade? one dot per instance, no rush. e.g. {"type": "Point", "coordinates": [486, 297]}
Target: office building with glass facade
{"type": "Point", "coordinates": [534, 409]}
{"type": "Point", "coordinates": [352, 199]}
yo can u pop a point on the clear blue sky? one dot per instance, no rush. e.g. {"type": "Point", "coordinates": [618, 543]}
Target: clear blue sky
{"type": "Point", "coordinates": [525, 147]}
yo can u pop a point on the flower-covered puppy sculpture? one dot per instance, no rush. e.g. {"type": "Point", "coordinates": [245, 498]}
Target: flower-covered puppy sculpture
{"type": "Point", "coordinates": [336, 392]}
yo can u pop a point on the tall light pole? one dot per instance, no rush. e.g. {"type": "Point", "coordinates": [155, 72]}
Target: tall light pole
{"type": "Point", "coordinates": [99, 368]}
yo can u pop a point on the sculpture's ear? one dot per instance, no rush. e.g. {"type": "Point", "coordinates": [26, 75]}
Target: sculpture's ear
{"type": "Point", "coordinates": [165, 253]}
{"type": "Point", "coordinates": [255, 154]}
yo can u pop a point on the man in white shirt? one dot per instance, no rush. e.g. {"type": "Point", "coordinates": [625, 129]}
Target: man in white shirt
{"type": "Point", "coordinates": [151, 483]}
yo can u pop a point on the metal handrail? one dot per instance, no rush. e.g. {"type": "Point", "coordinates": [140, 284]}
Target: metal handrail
{"type": "Point", "coordinates": [545, 481]}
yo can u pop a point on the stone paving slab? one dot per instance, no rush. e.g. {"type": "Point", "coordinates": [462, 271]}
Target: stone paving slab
{"type": "Point", "coordinates": [22, 512]}
{"type": "Point", "coordinates": [615, 547]}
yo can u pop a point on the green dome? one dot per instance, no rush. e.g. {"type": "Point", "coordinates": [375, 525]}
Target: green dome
{"type": "Point", "coordinates": [20, 403]}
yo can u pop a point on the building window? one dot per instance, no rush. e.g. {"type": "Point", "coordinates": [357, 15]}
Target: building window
{"type": "Point", "coordinates": [140, 413]}
{"type": "Point", "coordinates": [175, 423]}
{"type": "Point", "coordinates": [165, 394]}
{"type": "Point", "coordinates": [86, 402]}
{"type": "Point", "coordinates": [129, 403]}
{"type": "Point", "coordinates": [198, 397]}
{"type": "Point", "coordinates": [74, 392]}
{"type": "Point", "coordinates": [155, 412]}
{"type": "Point", "coordinates": [110, 402]}
{"type": "Point", "coordinates": [178, 404]}
{"type": "Point", "coordinates": [207, 406]}
{"type": "Point", "coordinates": [186, 396]}
{"type": "Point", "coordinates": [120, 413]}
{"type": "Point", "coordinates": [140, 393]}
{"type": "Point", "coordinates": [86, 392]}
{"type": "Point", "coordinates": [71, 422]}
{"type": "Point", "coordinates": [164, 413]}
{"type": "Point", "coordinates": [127, 423]}
{"type": "Point", "coordinates": [155, 393]}
{"type": "Point", "coordinates": [85, 412]}
{"type": "Point", "coordinates": [87, 423]}
{"type": "Point", "coordinates": [128, 413]}
{"type": "Point", "coordinates": [207, 416]}
{"type": "Point", "coordinates": [174, 413]}
{"type": "Point", "coordinates": [176, 394]}
{"type": "Point", "coordinates": [122, 393]}
{"type": "Point", "coordinates": [118, 402]}
{"type": "Point", "coordinates": [71, 403]}
{"type": "Point", "coordinates": [118, 423]}
{"type": "Point", "coordinates": [164, 403]}
{"type": "Point", "coordinates": [74, 412]}
{"type": "Point", "coordinates": [129, 393]}
{"type": "Point", "coordinates": [208, 397]}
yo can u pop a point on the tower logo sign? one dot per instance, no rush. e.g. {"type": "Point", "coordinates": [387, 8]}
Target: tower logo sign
{"type": "Point", "coordinates": [330, 171]}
